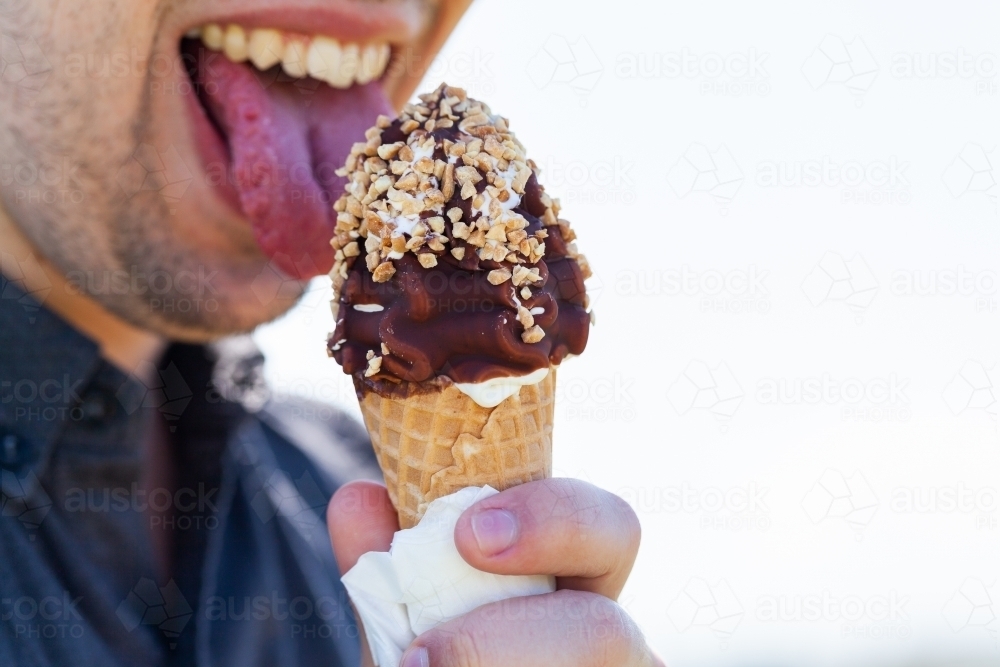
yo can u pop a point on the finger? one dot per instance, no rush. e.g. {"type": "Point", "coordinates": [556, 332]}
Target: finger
{"type": "Point", "coordinates": [585, 536]}
{"type": "Point", "coordinates": [361, 518]}
{"type": "Point", "coordinates": [562, 629]}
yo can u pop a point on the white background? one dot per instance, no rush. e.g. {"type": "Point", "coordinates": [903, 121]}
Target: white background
{"type": "Point", "coordinates": [668, 171]}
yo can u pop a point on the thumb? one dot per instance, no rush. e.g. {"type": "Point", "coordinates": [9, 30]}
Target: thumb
{"type": "Point", "coordinates": [361, 518]}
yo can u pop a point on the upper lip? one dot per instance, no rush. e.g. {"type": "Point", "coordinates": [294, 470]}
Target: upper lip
{"type": "Point", "coordinates": [403, 23]}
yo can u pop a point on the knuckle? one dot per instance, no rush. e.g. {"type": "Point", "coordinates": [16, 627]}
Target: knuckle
{"type": "Point", "coordinates": [628, 520]}
{"type": "Point", "coordinates": [612, 637]}
{"type": "Point", "coordinates": [463, 646]}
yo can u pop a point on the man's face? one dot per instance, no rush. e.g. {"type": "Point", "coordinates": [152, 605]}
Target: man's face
{"type": "Point", "coordinates": [182, 181]}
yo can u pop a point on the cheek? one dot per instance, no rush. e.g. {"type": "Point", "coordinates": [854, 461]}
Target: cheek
{"type": "Point", "coordinates": [71, 95]}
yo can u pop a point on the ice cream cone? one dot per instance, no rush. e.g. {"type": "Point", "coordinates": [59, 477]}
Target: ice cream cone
{"type": "Point", "coordinates": [430, 445]}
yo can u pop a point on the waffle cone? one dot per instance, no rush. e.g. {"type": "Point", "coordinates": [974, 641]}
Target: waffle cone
{"type": "Point", "coordinates": [430, 445]}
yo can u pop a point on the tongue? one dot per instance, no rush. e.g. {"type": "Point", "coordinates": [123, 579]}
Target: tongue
{"type": "Point", "coordinates": [285, 141]}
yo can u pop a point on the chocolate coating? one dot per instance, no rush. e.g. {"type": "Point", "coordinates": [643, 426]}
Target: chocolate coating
{"type": "Point", "coordinates": [444, 318]}
{"type": "Point", "coordinates": [451, 321]}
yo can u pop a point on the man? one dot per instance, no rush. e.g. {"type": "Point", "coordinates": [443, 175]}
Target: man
{"type": "Point", "coordinates": [166, 167]}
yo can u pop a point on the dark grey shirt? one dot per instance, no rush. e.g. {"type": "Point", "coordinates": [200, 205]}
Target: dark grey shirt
{"type": "Point", "coordinates": [253, 579]}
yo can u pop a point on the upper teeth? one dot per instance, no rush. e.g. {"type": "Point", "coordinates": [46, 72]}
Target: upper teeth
{"type": "Point", "coordinates": [324, 58]}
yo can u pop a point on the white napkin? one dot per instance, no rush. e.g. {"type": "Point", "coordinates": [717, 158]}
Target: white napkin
{"type": "Point", "coordinates": [422, 581]}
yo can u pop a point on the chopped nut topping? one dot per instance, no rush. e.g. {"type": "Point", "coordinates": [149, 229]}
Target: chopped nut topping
{"type": "Point", "coordinates": [533, 335]}
{"type": "Point", "coordinates": [383, 272]}
{"type": "Point", "coordinates": [385, 350]}
{"type": "Point", "coordinates": [399, 186]}
{"type": "Point", "coordinates": [375, 365]}
{"type": "Point", "coordinates": [525, 317]}
{"type": "Point", "coordinates": [498, 276]}
{"type": "Point", "coordinates": [389, 151]}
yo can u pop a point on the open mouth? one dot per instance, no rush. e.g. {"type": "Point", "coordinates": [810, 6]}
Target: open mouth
{"type": "Point", "coordinates": [275, 114]}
